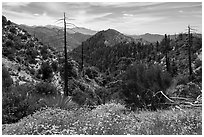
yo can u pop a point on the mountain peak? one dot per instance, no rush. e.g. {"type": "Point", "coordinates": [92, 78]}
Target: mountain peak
{"type": "Point", "coordinates": [108, 38]}
{"type": "Point", "coordinates": [111, 31]}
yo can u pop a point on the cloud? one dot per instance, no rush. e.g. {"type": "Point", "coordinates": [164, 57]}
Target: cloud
{"type": "Point", "coordinates": [36, 14]}
{"type": "Point", "coordinates": [128, 17]}
{"type": "Point", "coordinates": [181, 11]}
{"type": "Point", "coordinates": [14, 4]}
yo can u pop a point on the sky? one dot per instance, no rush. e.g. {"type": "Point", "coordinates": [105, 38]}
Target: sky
{"type": "Point", "coordinates": [126, 17]}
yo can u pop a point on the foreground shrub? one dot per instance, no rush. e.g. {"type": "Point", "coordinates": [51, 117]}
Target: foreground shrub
{"type": "Point", "coordinates": [22, 100]}
{"type": "Point", "coordinates": [59, 101]}
{"type": "Point", "coordinates": [17, 103]}
{"type": "Point", "coordinates": [141, 82]}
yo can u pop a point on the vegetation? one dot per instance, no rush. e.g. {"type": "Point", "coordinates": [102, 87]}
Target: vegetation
{"type": "Point", "coordinates": [127, 86]}
{"type": "Point", "coordinates": [6, 78]}
{"type": "Point", "coordinates": [46, 71]}
{"type": "Point", "coordinates": [17, 103]}
{"type": "Point", "coordinates": [108, 119]}
{"type": "Point", "coordinates": [46, 89]}
{"type": "Point", "coordinates": [142, 82]}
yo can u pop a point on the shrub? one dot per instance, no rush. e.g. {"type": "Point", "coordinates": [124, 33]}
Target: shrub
{"type": "Point", "coordinates": [54, 66]}
{"type": "Point", "coordinates": [59, 101]}
{"type": "Point", "coordinates": [72, 69]}
{"type": "Point", "coordinates": [44, 52]}
{"type": "Point", "coordinates": [7, 81]}
{"type": "Point", "coordinates": [182, 79]}
{"type": "Point", "coordinates": [11, 57]}
{"type": "Point", "coordinates": [4, 21]}
{"type": "Point", "coordinates": [45, 88]}
{"type": "Point", "coordinates": [13, 30]}
{"type": "Point", "coordinates": [32, 71]}
{"type": "Point", "coordinates": [79, 97]}
{"type": "Point", "coordinates": [104, 95]}
{"type": "Point", "coordinates": [9, 22]}
{"type": "Point", "coordinates": [10, 36]}
{"type": "Point", "coordinates": [46, 70]}
{"type": "Point", "coordinates": [91, 72]}
{"type": "Point", "coordinates": [9, 43]}
{"type": "Point", "coordinates": [24, 37]}
{"type": "Point", "coordinates": [17, 103]}
{"type": "Point", "coordinates": [142, 82]}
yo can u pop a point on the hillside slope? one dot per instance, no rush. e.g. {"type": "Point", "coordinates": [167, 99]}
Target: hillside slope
{"type": "Point", "coordinates": [108, 49]}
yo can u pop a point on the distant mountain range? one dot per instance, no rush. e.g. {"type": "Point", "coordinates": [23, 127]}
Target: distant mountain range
{"type": "Point", "coordinates": [53, 36]}
{"type": "Point", "coordinates": [81, 30]}
{"type": "Point", "coordinates": [149, 37]}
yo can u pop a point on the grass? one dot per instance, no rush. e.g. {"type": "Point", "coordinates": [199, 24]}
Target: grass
{"type": "Point", "coordinates": [108, 119]}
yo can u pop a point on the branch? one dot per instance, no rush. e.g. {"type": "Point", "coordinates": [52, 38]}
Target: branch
{"type": "Point", "coordinates": [59, 20]}
{"type": "Point", "coordinates": [164, 96]}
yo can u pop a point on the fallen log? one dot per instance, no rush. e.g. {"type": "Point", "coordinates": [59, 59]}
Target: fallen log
{"type": "Point", "coordinates": [182, 98]}
{"type": "Point", "coordinates": [186, 102]}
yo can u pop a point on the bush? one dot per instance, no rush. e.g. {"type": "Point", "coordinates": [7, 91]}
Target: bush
{"type": "Point", "coordinates": [91, 72]}
{"type": "Point", "coordinates": [44, 52]}
{"type": "Point", "coordinates": [85, 94]}
{"type": "Point", "coordinates": [72, 69]}
{"type": "Point", "coordinates": [79, 97]}
{"type": "Point", "coordinates": [10, 36]}
{"type": "Point", "coordinates": [46, 71]}
{"type": "Point", "coordinates": [7, 81]}
{"type": "Point", "coordinates": [104, 95]}
{"type": "Point", "coordinates": [32, 71]}
{"type": "Point", "coordinates": [54, 66]}
{"type": "Point", "coordinates": [24, 37]}
{"type": "Point", "coordinates": [182, 79]}
{"type": "Point", "coordinates": [9, 22]}
{"type": "Point", "coordinates": [9, 43]}
{"type": "Point", "coordinates": [4, 20]}
{"type": "Point", "coordinates": [142, 82]}
{"type": "Point", "coordinates": [13, 30]}
{"type": "Point", "coordinates": [17, 103]}
{"type": "Point", "coordinates": [59, 101]}
{"type": "Point", "coordinates": [45, 88]}
{"type": "Point", "coordinates": [11, 57]}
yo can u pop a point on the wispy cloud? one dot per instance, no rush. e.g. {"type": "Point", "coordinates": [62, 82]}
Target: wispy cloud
{"type": "Point", "coordinates": [127, 17]}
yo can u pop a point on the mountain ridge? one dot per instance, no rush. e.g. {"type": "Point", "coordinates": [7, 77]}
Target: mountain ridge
{"type": "Point", "coordinates": [54, 37]}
